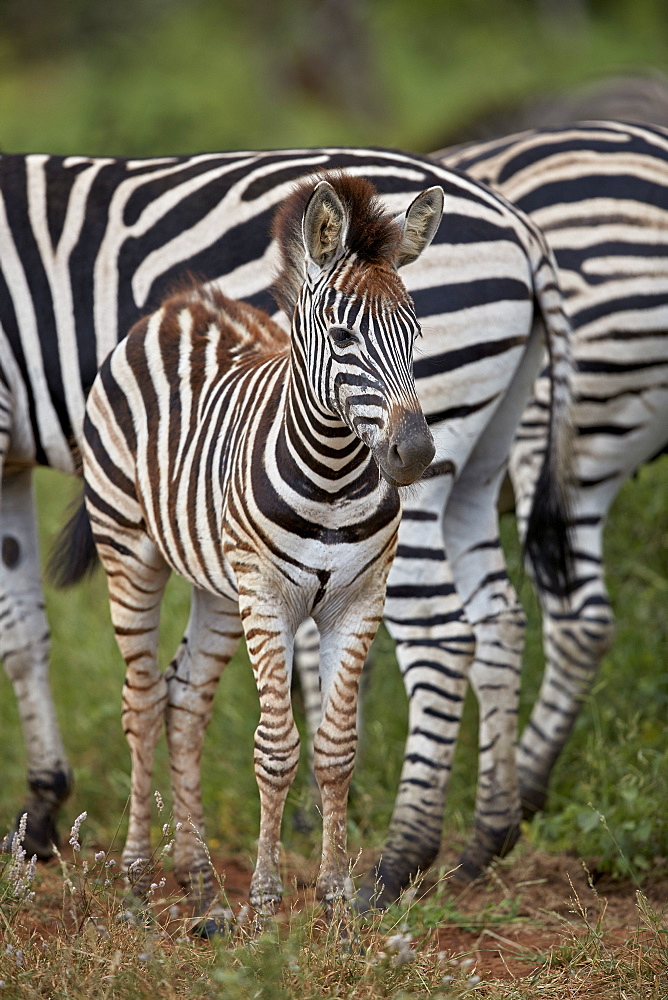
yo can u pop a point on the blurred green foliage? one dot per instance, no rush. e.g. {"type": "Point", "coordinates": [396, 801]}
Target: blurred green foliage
{"type": "Point", "coordinates": [158, 76]}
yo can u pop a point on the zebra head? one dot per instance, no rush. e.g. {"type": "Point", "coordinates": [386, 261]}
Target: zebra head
{"type": "Point", "coordinates": [353, 322]}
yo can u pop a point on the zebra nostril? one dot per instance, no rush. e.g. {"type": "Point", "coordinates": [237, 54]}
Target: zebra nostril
{"type": "Point", "coordinates": [396, 457]}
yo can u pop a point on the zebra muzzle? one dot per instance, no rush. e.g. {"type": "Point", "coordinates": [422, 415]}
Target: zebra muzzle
{"type": "Point", "coordinates": [408, 452]}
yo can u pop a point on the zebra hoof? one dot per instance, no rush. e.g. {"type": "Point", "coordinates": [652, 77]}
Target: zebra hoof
{"type": "Point", "coordinates": [485, 845]}
{"type": "Point", "coordinates": [533, 801]}
{"type": "Point", "coordinates": [211, 927]}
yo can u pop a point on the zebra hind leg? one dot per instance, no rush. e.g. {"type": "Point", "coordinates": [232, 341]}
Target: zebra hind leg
{"type": "Point", "coordinates": [575, 642]}
{"type": "Point", "coordinates": [136, 577]}
{"type": "Point", "coordinates": [211, 639]}
{"type": "Point", "coordinates": [25, 650]}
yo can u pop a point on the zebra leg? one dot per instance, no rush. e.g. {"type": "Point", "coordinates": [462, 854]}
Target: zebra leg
{"type": "Point", "coordinates": [136, 580]}
{"type": "Point", "coordinates": [577, 632]}
{"type": "Point", "coordinates": [498, 623]}
{"type": "Point", "coordinates": [471, 534]}
{"type": "Point", "coordinates": [25, 649]}
{"type": "Point", "coordinates": [345, 641]}
{"type": "Point", "coordinates": [307, 668]}
{"type": "Point", "coordinates": [269, 640]}
{"type": "Point", "coordinates": [211, 639]}
{"type": "Point", "coordinates": [423, 613]}
{"type": "Point", "coordinates": [576, 636]}
{"type": "Point", "coordinates": [578, 629]}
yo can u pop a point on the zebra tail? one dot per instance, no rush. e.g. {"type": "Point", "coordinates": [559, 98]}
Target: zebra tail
{"type": "Point", "coordinates": [74, 555]}
{"type": "Point", "coordinates": [547, 542]}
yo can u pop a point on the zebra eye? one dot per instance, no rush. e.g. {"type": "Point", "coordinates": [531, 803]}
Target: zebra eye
{"type": "Point", "coordinates": [341, 336]}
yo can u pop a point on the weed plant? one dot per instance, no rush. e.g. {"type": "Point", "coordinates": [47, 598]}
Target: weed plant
{"type": "Point", "coordinates": [69, 932]}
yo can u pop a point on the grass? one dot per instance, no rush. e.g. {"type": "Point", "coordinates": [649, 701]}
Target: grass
{"type": "Point", "coordinates": [67, 932]}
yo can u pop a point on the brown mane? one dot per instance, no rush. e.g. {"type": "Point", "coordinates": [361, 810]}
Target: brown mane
{"type": "Point", "coordinates": [373, 236]}
{"type": "Point", "coordinates": [237, 329]}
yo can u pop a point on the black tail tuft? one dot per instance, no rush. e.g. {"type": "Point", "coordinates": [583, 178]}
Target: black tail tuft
{"type": "Point", "coordinates": [547, 543]}
{"type": "Point", "coordinates": [74, 555]}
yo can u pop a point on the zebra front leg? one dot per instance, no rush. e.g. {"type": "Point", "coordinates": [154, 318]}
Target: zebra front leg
{"type": "Point", "coordinates": [211, 639]}
{"type": "Point", "coordinates": [269, 641]}
{"type": "Point", "coordinates": [344, 645]}
{"type": "Point", "coordinates": [25, 649]}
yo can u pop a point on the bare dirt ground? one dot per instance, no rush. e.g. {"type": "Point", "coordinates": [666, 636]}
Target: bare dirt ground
{"type": "Point", "coordinates": [531, 906]}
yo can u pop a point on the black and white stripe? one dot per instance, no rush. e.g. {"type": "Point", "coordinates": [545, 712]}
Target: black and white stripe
{"type": "Point", "coordinates": [599, 192]}
{"type": "Point", "coordinates": [92, 244]}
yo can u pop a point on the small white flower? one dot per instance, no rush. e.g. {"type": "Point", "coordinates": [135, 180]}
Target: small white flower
{"type": "Point", "coordinates": [398, 945]}
{"type": "Point", "coordinates": [74, 832]}
{"type": "Point", "coordinates": [100, 856]}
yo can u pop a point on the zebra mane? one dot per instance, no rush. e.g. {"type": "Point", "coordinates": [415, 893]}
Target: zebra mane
{"type": "Point", "coordinates": [237, 328]}
{"type": "Point", "coordinates": [373, 236]}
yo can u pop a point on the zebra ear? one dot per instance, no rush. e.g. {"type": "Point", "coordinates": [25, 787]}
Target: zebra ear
{"type": "Point", "coordinates": [419, 224]}
{"type": "Point", "coordinates": [324, 226]}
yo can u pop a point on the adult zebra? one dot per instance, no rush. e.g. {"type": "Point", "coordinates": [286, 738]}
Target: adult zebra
{"type": "Point", "coordinates": [599, 192]}
{"type": "Point", "coordinates": [266, 471]}
{"type": "Point", "coordinates": [87, 245]}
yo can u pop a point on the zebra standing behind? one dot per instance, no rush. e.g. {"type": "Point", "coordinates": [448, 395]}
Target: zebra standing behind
{"type": "Point", "coordinates": [599, 192]}
{"type": "Point", "coordinates": [266, 472]}
{"type": "Point", "coordinates": [89, 245]}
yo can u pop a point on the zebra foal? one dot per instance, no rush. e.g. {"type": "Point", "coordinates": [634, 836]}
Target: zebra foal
{"type": "Point", "coordinates": [265, 470]}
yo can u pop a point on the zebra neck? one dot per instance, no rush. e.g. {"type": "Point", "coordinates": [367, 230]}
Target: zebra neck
{"type": "Point", "coordinates": [316, 450]}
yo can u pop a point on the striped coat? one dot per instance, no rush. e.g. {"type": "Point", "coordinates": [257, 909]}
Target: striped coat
{"type": "Point", "coordinates": [266, 472]}
{"type": "Point", "coordinates": [88, 245]}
